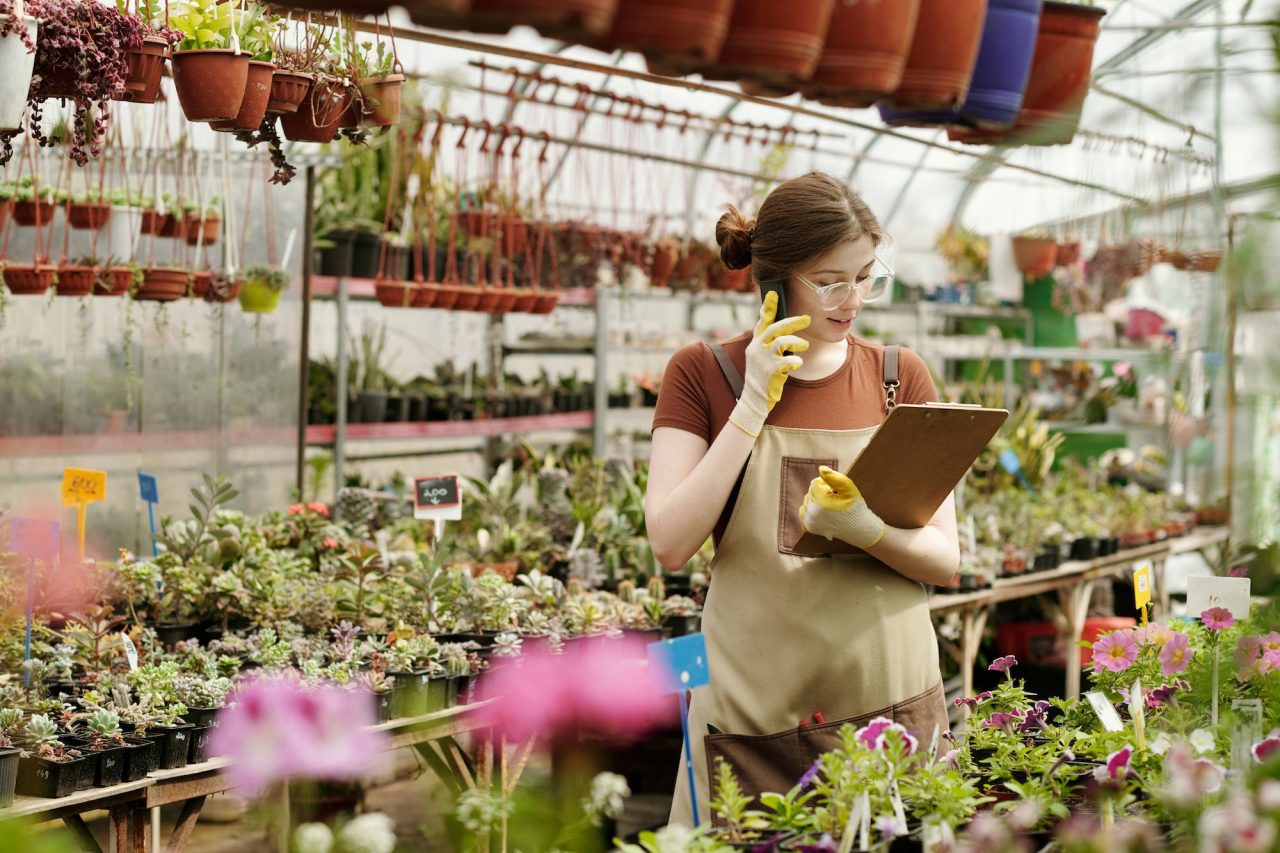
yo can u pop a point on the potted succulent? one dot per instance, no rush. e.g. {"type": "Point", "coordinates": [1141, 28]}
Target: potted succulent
{"type": "Point", "coordinates": [47, 768]}
{"type": "Point", "coordinates": [261, 288]}
{"type": "Point", "coordinates": [210, 71]}
{"type": "Point", "coordinates": [104, 744]}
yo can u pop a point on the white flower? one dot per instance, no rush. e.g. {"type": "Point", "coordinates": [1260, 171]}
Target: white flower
{"type": "Point", "coordinates": [608, 792]}
{"type": "Point", "coordinates": [1269, 795]}
{"type": "Point", "coordinates": [1202, 741]}
{"type": "Point", "coordinates": [313, 838]}
{"type": "Point", "coordinates": [672, 839]}
{"type": "Point", "coordinates": [1160, 744]}
{"type": "Point", "coordinates": [480, 810]}
{"type": "Point", "coordinates": [369, 833]}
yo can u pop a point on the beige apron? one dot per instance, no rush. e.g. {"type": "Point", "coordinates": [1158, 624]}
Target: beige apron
{"type": "Point", "coordinates": [789, 635]}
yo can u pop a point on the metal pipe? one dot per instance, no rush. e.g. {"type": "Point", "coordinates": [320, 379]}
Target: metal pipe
{"type": "Point", "coordinates": [304, 361]}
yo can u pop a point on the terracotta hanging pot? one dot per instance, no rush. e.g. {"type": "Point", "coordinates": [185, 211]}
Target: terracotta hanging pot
{"type": "Point", "coordinates": [1205, 260]}
{"type": "Point", "coordinates": [865, 52]}
{"type": "Point", "coordinates": [155, 222]}
{"type": "Point", "coordinates": [1068, 253]}
{"type": "Point", "coordinates": [488, 302]}
{"type": "Point", "coordinates": [116, 282]}
{"type": "Point", "coordinates": [395, 294]}
{"type": "Point", "coordinates": [1059, 81]}
{"type": "Point", "coordinates": [210, 83]}
{"type": "Point", "coordinates": [320, 114]}
{"type": "Point", "coordinates": [163, 284]}
{"type": "Point", "coordinates": [547, 301]}
{"type": "Point", "coordinates": [722, 278]}
{"type": "Point", "coordinates": [446, 296]}
{"type": "Point", "coordinates": [171, 225]}
{"type": "Point", "coordinates": [943, 52]}
{"type": "Point", "coordinates": [526, 301]}
{"type": "Point", "coordinates": [88, 216]}
{"type": "Point", "coordinates": [440, 14]}
{"type": "Point", "coordinates": [662, 262]}
{"type": "Point", "coordinates": [675, 36]}
{"type": "Point", "coordinates": [201, 232]}
{"type": "Point", "coordinates": [288, 89]}
{"type": "Point", "coordinates": [1035, 256]}
{"type": "Point", "coordinates": [515, 235]}
{"type": "Point", "coordinates": [999, 74]}
{"type": "Point", "coordinates": [569, 20]}
{"type": "Point", "coordinates": [426, 295]}
{"type": "Point", "coordinates": [34, 212]}
{"type": "Point", "coordinates": [772, 43]}
{"type": "Point", "coordinates": [253, 106]}
{"type": "Point", "coordinates": [200, 284]}
{"type": "Point", "coordinates": [469, 298]}
{"type": "Point", "coordinates": [29, 279]}
{"type": "Point", "coordinates": [146, 67]}
{"type": "Point", "coordinates": [75, 280]}
{"type": "Point", "coordinates": [382, 100]}
{"type": "Point", "coordinates": [506, 300]}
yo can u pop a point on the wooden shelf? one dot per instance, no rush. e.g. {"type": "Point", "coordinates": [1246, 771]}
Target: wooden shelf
{"type": "Point", "coordinates": [362, 290]}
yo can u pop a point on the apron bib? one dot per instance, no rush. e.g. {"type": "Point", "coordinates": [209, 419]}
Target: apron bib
{"type": "Point", "coordinates": [790, 634]}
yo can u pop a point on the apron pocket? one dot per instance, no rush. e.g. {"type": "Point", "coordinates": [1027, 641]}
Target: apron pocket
{"type": "Point", "coordinates": [797, 474]}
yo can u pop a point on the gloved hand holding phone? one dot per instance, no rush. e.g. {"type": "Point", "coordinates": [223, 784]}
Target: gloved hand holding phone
{"type": "Point", "coordinates": [768, 365]}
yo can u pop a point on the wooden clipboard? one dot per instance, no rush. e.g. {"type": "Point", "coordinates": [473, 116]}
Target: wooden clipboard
{"type": "Point", "coordinates": [914, 460]}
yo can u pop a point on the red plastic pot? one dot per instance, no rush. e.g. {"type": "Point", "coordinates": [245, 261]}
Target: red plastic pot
{"type": "Point", "coordinates": [427, 295]}
{"type": "Point", "coordinates": [163, 284]}
{"type": "Point", "coordinates": [661, 265]}
{"type": "Point", "coordinates": [154, 222]}
{"type": "Point", "coordinates": [1035, 256]}
{"type": "Point", "coordinates": [772, 43]}
{"type": "Point", "coordinates": [865, 53]}
{"type": "Point", "coordinates": [75, 280]}
{"type": "Point", "coordinates": [547, 301]}
{"type": "Point", "coordinates": [675, 36]}
{"type": "Point", "coordinates": [88, 216]}
{"type": "Point", "coordinates": [469, 298]}
{"type": "Point", "coordinates": [569, 20]}
{"type": "Point", "coordinates": [944, 49]}
{"type": "Point", "coordinates": [116, 282]}
{"type": "Point", "coordinates": [440, 14]}
{"type": "Point", "coordinates": [29, 279]}
{"type": "Point", "coordinates": [34, 212]}
{"type": "Point", "coordinates": [382, 100]}
{"type": "Point", "coordinates": [320, 114]}
{"type": "Point", "coordinates": [210, 83]}
{"type": "Point", "coordinates": [146, 67]}
{"type": "Point", "coordinates": [253, 105]}
{"type": "Point", "coordinates": [506, 301]}
{"type": "Point", "coordinates": [197, 231]}
{"type": "Point", "coordinates": [288, 89]}
{"type": "Point", "coordinates": [526, 301]}
{"type": "Point", "coordinates": [396, 294]}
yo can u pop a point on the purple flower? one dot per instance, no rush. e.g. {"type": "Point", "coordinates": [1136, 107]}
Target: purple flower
{"type": "Point", "coordinates": [1003, 664]}
{"type": "Point", "coordinates": [890, 826]}
{"type": "Point", "coordinates": [1217, 618]}
{"type": "Point", "coordinates": [1267, 748]}
{"type": "Point", "coordinates": [809, 775]}
{"type": "Point", "coordinates": [1116, 651]}
{"type": "Point", "coordinates": [277, 729]}
{"type": "Point", "coordinates": [1175, 657]}
{"type": "Point", "coordinates": [870, 733]}
{"type": "Point", "coordinates": [983, 696]}
{"type": "Point", "coordinates": [969, 702]}
{"type": "Point", "coordinates": [1003, 721]}
{"type": "Point", "coordinates": [906, 736]}
{"type": "Point", "coordinates": [1117, 766]}
{"type": "Point", "coordinates": [1239, 572]}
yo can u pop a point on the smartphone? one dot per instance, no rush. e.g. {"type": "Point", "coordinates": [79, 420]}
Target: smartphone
{"type": "Point", "coordinates": [780, 288]}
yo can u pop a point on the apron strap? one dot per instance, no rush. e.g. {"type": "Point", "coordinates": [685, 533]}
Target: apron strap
{"type": "Point", "coordinates": [734, 377]}
{"type": "Point", "coordinates": [891, 377]}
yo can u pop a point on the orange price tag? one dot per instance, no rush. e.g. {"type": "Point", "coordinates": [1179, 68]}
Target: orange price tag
{"type": "Point", "coordinates": [82, 486]}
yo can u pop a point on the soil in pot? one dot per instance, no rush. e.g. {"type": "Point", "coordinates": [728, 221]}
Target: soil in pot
{"type": "Point", "coordinates": [76, 280]}
{"type": "Point", "coordinates": [88, 217]}
{"type": "Point", "coordinates": [39, 777]}
{"type": "Point", "coordinates": [288, 89]}
{"type": "Point", "coordinates": [29, 279]}
{"type": "Point", "coordinates": [253, 106]}
{"type": "Point", "coordinates": [146, 67]}
{"type": "Point", "coordinates": [210, 83]}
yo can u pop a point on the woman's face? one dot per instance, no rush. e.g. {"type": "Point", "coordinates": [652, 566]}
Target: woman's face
{"type": "Point", "coordinates": [849, 261]}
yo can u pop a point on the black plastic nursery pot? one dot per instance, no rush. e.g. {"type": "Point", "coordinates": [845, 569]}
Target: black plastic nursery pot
{"type": "Point", "coordinates": [384, 704]}
{"type": "Point", "coordinates": [8, 775]}
{"type": "Point", "coordinates": [372, 407]}
{"type": "Point", "coordinates": [171, 635]}
{"type": "Point", "coordinates": [142, 756]}
{"type": "Point", "coordinates": [40, 777]}
{"type": "Point", "coordinates": [365, 249]}
{"type": "Point", "coordinates": [1084, 548]}
{"type": "Point", "coordinates": [108, 765]}
{"type": "Point", "coordinates": [175, 746]}
{"type": "Point", "coordinates": [198, 750]}
{"type": "Point", "coordinates": [337, 259]}
{"type": "Point", "coordinates": [409, 698]}
{"type": "Point", "coordinates": [680, 626]}
{"type": "Point", "coordinates": [200, 717]}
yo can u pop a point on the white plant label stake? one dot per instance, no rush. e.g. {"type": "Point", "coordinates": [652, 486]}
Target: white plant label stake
{"type": "Point", "coordinates": [1105, 710]}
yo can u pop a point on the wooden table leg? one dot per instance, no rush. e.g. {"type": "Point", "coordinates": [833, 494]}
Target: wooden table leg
{"type": "Point", "coordinates": [1075, 604]}
{"type": "Point", "coordinates": [186, 824]}
{"type": "Point", "coordinates": [84, 837]}
{"type": "Point", "coordinates": [973, 625]}
{"type": "Point", "coordinates": [140, 829]}
{"type": "Point", "coordinates": [120, 829]}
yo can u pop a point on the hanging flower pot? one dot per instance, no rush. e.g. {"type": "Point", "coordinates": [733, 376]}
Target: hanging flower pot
{"type": "Point", "coordinates": [156, 223]}
{"type": "Point", "coordinates": [319, 116]}
{"type": "Point", "coordinates": [468, 297]}
{"type": "Point", "coordinates": [262, 288]}
{"type": "Point", "coordinates": [202, 231]}
{"type": "Point", "coordinates": [163, 284]}
{"type": "Point", "coordinates": [446, 296]}
{"type": "Point", "coordinates": [210, 82]}
{"type": "Point", "coordinates": [253, 105]}
{"type": "Point", "coordinates": [146, 67]}
{"type": "Point", "coordinates": [479, 223]}
{"type": "Point", "coordinates": [569, 20]}
{"type": "Point", "coordinates": [526, 301]}
{"type": "Point", "coordinates": [116, 281]}
{"type": "Point", "coordinates": [440, 14]}
{"type": "Point", "coordinates": [999, 74]}
{"type": "Point", "coordinates": [172, 225]}
{"type": "Point", "coordinates": [488, 302]}
{"type": "Point", "coordinates": [1205, 260]}
{"type": "Point", "coordinates": [396, 294]}
{"type": "Point", "coordinates": [943, 52]}
{"type": "Point", "coordinates": [675, 36]}
{"type": "Point", "coordinates": [29, 279]}
{"type": "Point", "coordinates": [16, 64]}
{"type": "Point", "coordinates": [288, 89]}
{"type": "Point", "coordinates": [222, 289]}
{"type": "Point", "coordinates": [88, 216]}
{"type": "Point", "coordinates": [723, 278]}
{"type": "Point", "coordinates": [776, 44]}
{"type": "Point", "coordinates": [1035, 256]}
{"type": "Point", "coordinates": [426, 295]}
{"type": "Point", "coordinates": [34, 212]}
{"type": "Point", "coordinates": [864, 54]}
{"type": "Point", "coordinates": [515, 235]}
{"type": "Point", "coordinates": [547, 301]}
{"type": "Point", "coordinates": [76, 280]}
{"type": "Point", "coordinates": [506, 300]}
{"type": "Point", "coordinates": [1068, 253]}
{"type": "Point", "coordinates": [381, 100]}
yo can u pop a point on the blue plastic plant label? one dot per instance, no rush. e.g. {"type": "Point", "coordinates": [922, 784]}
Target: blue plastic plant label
{"type": "Point", "coordinates": [680, 664]}
{"type": "Point", "coordinates": [147, 486]}
{"type": "Point", "coordinates": [1010, 462]}
{"type": "Point", "coordinates": [35, 537]}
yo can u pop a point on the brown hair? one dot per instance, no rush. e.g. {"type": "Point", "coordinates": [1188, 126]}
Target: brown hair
{"type": "Point", "coordinates": [802, 219]}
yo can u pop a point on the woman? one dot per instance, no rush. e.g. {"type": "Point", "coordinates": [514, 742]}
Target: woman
{"type": "Point", "coordinates": [796, 637]}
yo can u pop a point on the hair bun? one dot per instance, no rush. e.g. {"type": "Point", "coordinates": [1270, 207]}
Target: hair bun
{"type": "Point", "coordinates": [733, 235]}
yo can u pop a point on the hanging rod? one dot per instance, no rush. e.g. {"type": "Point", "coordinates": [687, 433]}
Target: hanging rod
{"type": "Point", "coordinates": [430, 37]}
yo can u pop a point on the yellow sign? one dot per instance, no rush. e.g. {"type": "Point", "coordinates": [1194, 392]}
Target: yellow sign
{"type": "Point", "coordinates": [1142, 588]}
{"type": "Point", "coordinates": [82, 486]}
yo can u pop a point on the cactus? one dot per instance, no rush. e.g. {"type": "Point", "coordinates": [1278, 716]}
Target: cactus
{"type": "Point", "coordinates": [573, 588]}
{"type": "Point", "coordinates": [627, 591]}
{"type": "Point", "coordinates": [657, 589]}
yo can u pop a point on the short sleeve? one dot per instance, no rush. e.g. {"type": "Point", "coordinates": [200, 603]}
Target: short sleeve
{"type": "Point", "coordinates": [916, 381]}
{"type": "Point", "coordinates": [683, 402]}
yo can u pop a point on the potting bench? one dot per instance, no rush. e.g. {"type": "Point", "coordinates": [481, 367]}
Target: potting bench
{"type": "Point", "coordinates": [1073, 582]}
{"type": "Point", "coordinates": [432, 735]}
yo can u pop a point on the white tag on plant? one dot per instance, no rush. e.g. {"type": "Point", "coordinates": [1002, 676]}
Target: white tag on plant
{"type": "Point", "coordinates": [1208, 591]}
{"type": "Point", "coordinates": [1105, 710]}
{"type": "Point", "coordinates": [130, 651]}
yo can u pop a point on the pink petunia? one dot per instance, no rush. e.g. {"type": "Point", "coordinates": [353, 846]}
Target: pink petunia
{"type": "Point", "coordinates": [1267, 748]}
{"type": "Point", "coordinates": [1188, 780]}
{"type": "Point", "coordinates": [319, 508]}
{"type": "Point", "coordinates": [1217, 618]}
{"type": "Point", "coordinates": [277, 729]}
{"type": "Point", "coordinates": [870, 733]}
{"type": "Point", "coordinates": [1003, 664]}
{"type": "Point", "coordinates": [601, 684]}
{"type": "Point", "coordinates": [1239, 572]}
{"type": "Point", "coordinates": [1175, 657]}
{"type": "Point", "coordinates": [1117, 766]}
{"type": "Point", "coordinates": [1116, 651]}
{"type": "Point", "coordinates": [901, 730]}
{"type": "Point", "coordinates": [1156, 635]}
{"type": "Point", "coordinates": [1271, 642]}
{"type": "Point", "coordinates": [296, 509]}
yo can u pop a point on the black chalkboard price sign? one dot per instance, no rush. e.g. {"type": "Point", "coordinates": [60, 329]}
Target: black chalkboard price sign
{"type": "Point", "coordinates": [437, 496]}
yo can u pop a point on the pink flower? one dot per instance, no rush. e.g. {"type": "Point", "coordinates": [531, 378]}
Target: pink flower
{"type": "Point", "coordinates": [1156, 635]}
{"type": "Point", "coordinates": [296, 509]}
{"type": "Point", "coordinates": [1117, 766]}
{"type": "Point", "coordinates": [1188, 780]}
{"type": "Point", "coordinates": [1007, 722]}
{"type": "Point", "coordinates": [1269, 662]}
{"type": "Point", "coordinates": [319, 508]}
{"type": "Point", "coordinates": [330, 542]}
{"type": "Point", "coordinates": [1003, 664]}
{"type": "Point", "coordinates": [1116, 651]}
{"type": "Point", "coordinates": [603, 685]}
{"type": "Point", "coordinates": [1175, 657]}
{"type": "Point", "coordinates": [1164, 695]}
{"type": "Point", "coordinates": [870, 733]}
{"type": "Point", "coordinates": [890, 826]}
{"type": "Point", "coordinates": [1267, 748]}
{"type": "Point", "coordinates": [1236, 827]}
{"type": "Point", "coordinates": [277, 729]}
{"type": "Point", "coordinates": [1239, 572]}
{"type": "Point", "coordinates": [904, 735]}
{"type": "Point", "coordinates": [1271, 642]}
{"type": "Point", "coordinates": [1217, 618]}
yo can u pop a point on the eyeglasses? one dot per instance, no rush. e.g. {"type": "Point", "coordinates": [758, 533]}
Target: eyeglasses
{"type": "Point", "coordinates": [869, 287]}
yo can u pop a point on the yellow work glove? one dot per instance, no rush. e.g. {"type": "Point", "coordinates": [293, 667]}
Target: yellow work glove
{"type": "Point", "coordinates": [768, 365]}
{"type": "Point", "coordinates": [834, 508]}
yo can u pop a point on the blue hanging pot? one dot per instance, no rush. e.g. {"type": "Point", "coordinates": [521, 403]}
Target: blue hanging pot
{"type": "Point", "coordinates": [999, 76]}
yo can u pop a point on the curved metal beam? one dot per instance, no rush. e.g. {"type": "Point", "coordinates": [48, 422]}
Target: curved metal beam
{"type": "Point", "coordinates": [695, 174]}
{"type": "Point", "coordinates": [906, 185]}
{"type": "Point", "coordinates": [862, 157]}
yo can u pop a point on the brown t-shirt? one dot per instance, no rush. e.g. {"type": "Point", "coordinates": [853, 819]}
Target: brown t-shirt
{"type": "Point", "coordinates": [696, 398]}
